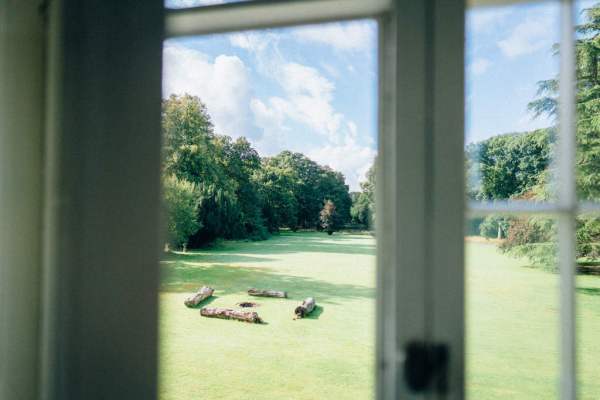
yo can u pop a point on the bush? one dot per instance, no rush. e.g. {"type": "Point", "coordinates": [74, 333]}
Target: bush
{"type": "Point", "coordinates": [181, 200]}
{"type": "Point", "coordinates": [534, 238]}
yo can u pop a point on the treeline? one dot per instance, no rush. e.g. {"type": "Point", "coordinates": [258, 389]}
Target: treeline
{"type": "Point", "coordinates": [217, 187]}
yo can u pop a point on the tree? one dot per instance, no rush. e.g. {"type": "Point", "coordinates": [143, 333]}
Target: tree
{"type": "Point", "coordinates": [587, 102]}
{"type": "Point", "coordinates": [221, 169]}
{"type": "Point", "coordinates": [181, 202]}
{"type": "Point", "coordinates": [508, 166]}
{"type": "Point", "coordinates": [327, 217]}
{"type": "Point", "coordinates": [363, 205]}
{"type": "Point", "coordinates": [276, 188]}
{"type": "Point", "coordinates": [240, 195]}
{"type": "Point", "coordinates": [588, 126]}
{"type": "Point", "coordinates": [309, 183]}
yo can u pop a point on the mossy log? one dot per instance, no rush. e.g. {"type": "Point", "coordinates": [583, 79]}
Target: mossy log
{"type": "Point", "coordinates": [202, 294]}
{"type": "Point", "coordinates": [307, 306]}
{"type": "Point", "coordinates": [267, 293]}
{"type": "Point", "coordinates": [226, 313]}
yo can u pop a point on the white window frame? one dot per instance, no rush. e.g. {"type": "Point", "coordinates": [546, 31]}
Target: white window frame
{"type": "Point", "coordinates": [102, 84]}
{"type": "Point", "coordinates": [419, 192]}
{"type": "Point", "coordinates": [420, 174]}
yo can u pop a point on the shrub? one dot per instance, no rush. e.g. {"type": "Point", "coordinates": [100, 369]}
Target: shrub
{"type": "Point", "coordinates": [181, 200]}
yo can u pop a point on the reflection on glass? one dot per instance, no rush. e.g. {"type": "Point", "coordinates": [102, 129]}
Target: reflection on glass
{"type": "Point", "coordinates": [269, 179]}
{"type": "Point", "coordinates": [509, 55]}
{"type": "Point", "coordinates": [177, 4]}
{"type": "Point", "coordinates": [512, 309]}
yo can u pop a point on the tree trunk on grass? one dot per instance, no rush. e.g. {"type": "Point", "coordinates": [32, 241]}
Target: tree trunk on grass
{"type": "Point", "coordinates": [202, 294]}
{"type": "Point", "coordinates": [266, 293]}
{"type": "Point", "coordinates": [225, 313]}
{"type": "Point", "coordinates": [307, 306]}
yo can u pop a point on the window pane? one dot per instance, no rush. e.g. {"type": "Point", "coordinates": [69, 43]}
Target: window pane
{"type": "Point", "coordinates": [269, 147]}
{"type": "Point", "coordinates": [588, 100]}
{"type": "Point", "coordinates": [509, 138]}
{"type": "Point", "coordinates": [512, 309]}
{"type": "Point", "coordinates": [588, 305]}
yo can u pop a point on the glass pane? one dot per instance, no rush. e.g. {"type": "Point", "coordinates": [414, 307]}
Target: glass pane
{"type": "Point", "coordinates": [512, 309]}
{"type": "Point", "coordinates": [509, 143]}
{"type": "Point", "coordinates": [588, 100]}
{"type": "Point", "coordinates": [269, 147]}
{"type": "Point", "coordinates": [588, 305]}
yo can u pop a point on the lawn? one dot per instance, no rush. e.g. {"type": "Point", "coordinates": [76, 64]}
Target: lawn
{"type": "Point", "coordinates": [511, 322]}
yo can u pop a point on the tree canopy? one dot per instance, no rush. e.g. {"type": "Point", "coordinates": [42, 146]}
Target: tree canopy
{"type": "Point", "coordinates": [233, 192]}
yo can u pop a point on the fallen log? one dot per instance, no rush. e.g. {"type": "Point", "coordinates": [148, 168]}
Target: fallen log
{"type": "Point", "coordinates": [226, 313]}
{"type": "Point", "coordinates": [307, 306]}
{"type": "Point", "coordinates": [266, 293]}
{"type": "Point", "coordinates": [202, 294]}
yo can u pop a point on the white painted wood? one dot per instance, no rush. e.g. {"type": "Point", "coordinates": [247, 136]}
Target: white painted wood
{"type": "Point", "coordinates": [21, 155]}
{"type": "Point", "coordinates": [446, 213]}
{"type": "Point", "coordinates": [420, 183]}
{"type": "Point", "coordinates": [567, 199]}
{"type": "Point", "coordinates": [267, 14]}
{"type": "Point", "coordinates": [386, 205]}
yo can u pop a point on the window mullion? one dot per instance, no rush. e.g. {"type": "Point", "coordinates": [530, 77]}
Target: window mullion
{"type": "Point", "coordinates": [567, 201]}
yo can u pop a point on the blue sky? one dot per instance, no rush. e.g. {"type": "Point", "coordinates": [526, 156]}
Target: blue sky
{"type": "Point", "coordinates": [314, 89]}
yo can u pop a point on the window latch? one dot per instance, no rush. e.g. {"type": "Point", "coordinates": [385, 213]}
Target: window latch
{"type": "Point", "coordinates": [426, 367]}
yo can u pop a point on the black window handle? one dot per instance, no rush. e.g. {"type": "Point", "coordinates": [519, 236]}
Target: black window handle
{"type": "Point", "coordinates": [426, 366]}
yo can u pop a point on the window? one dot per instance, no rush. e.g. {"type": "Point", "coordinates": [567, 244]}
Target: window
{"type": "Point", "coordinates": [270, 141]}
{"type": "Point", "coordinates": [96, 322]}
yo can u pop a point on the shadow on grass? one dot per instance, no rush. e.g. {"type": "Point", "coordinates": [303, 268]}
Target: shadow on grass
{"type": "Point", "coordinates": [285, 243]}
{"type": "Point", "coordinates": [227, 279]}
{"type": "Point", "coordinates": [212, 256]}
{"type": "Point", "coordinates": [316, 313]}
{"type": "Point", "coordinates": [204, 302]}
{"type": "Point", "coordinates": [589, 291]}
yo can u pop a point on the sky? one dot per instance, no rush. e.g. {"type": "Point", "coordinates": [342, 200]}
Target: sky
{"type": "Point", "coordinates": [313, 89]}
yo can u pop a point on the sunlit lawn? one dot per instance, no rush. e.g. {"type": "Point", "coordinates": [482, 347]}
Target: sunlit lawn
{"type": "Point", "coordinates": [512, 329]}
{"type": "Point", "coordinates": [329, 356]}
{"type": "Point", "coordinates": [512, 323]}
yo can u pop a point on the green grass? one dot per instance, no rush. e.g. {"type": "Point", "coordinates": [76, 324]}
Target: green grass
{"type": "Point", "coordinates": [512, 323]}
{"type": "Point", "coordinates": [512, 329]}
{"type": "Point", "coordinates": [327, 356]}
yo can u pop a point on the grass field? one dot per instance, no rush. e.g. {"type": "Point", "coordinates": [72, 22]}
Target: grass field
{"type": "Point", "coordinates": [511, 321]}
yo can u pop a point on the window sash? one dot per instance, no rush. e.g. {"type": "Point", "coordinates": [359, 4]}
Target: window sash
{"type": "Point", "coordinates": [393, 155]}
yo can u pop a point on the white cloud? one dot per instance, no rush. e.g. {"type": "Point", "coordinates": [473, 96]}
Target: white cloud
{"type": "Point", "coordinates": [530, 35]}
{"type": "Point", "coordinates": [223, 85]}
{"type": "Point", "coordinates": [480, 65]}
{"type": "Point", "coordinates": [252, 41]}
{"type": "Point", "coordinates": [331, 70]}
{"type": "Point", "coordinates": [350, 158]}
{"type": "Point", "coordinates": [350, 36]}
{"type": "Point", "coordinates": [271, 120]}
{"type": "Point", "coordinates": [487, 19]}
{"type": "Point", "coordinates": [308, 97]}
